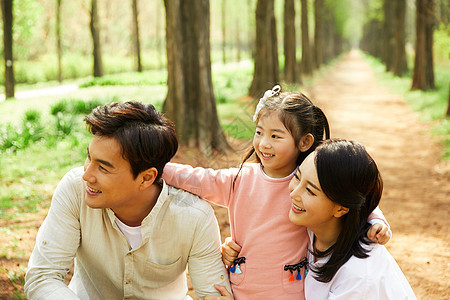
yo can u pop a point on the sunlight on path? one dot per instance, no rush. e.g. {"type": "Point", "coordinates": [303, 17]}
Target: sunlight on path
{"type": "Point", "coordinates": [58, 90]}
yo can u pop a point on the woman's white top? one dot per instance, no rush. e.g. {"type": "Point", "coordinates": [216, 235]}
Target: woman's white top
{"type": "Point", "coordinates": [375, 277]}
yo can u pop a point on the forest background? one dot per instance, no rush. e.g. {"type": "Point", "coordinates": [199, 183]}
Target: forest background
{"type": "Point", "coordinates": [41, 137]}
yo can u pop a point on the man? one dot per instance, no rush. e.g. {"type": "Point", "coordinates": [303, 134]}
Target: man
{"type": "Point", "coordinates": [130, 235]}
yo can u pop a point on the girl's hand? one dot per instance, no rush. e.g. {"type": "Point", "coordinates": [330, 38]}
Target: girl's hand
{"type": "Point", "coordinates": [230, 251]}
{"type": "Point", "coordinates": [226, 295]}
{"type": "Point", "coordinates": [379, 233]}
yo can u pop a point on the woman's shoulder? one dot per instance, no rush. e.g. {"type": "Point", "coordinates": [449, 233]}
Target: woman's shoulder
{"type": "Point", "coordinates": [376, 275]}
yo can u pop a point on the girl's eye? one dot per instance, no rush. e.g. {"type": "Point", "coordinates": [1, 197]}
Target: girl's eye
{"type": "Point", "coordinates": [310, 191]}
{"type": "Point", "coordinates": [258, 132]}
{"type": "Point", "coordinates": [275, 136]}
{"type": "Point", "coordinates": [102, 168]}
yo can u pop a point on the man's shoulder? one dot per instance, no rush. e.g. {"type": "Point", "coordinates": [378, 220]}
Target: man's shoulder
{"type": "Point", "coordinates": [188, 201]}
{"type": "Point", "coordinates": [73, 178]}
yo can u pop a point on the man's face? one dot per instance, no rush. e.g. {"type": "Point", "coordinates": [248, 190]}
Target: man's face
{"type": "Point", "coordinates": [108, 175]}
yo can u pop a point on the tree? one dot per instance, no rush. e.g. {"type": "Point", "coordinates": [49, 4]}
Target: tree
{"type": "Point", "coordinates": [388, 34]}
{"type": "Point", "coordinates": [290, 61]}
{"type": "Point", "coordinates": [58, 39]}
{"type": "Point", "coordinates": [190, 101]}
{"type": "Point", "coordinates": [7, 13]}
{"type": "Point", "coordinates": [423, 75]}
{"type": "Point", "coordinates": [95, 33]}
{"type": "Point", "coordinates": [307, 61]}
{"type": "Point", "coordinates": [399, 64]}
{"type": "Point", "coordinates": [224, 31]}
{"type": "Point", "coordinates": [318, 32]}
{"type": "Point", "coordinates": [137, 40]}
{"type": "Point", "coordinates": [448, 105]}
{"type": "Point", "coordinates": [266, 71]}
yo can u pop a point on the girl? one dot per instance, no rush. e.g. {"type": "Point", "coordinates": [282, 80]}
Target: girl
{"type": "Point", "coordinates": [288, 128]}
{"type": "Point", "coordinates": [333, 192]}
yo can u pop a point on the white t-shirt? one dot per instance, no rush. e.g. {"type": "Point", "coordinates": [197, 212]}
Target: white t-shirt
{"type": "Point", "coordinates": [375, 277]}
{"type": "Point", "coordinates": [133, 234]}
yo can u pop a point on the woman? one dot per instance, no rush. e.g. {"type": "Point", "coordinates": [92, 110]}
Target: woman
{"type": "Point", "coordinates": [333, 192]}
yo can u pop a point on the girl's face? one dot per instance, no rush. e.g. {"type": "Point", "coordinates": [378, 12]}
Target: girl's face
{"type": "Point", "coordinates": [275, 146]}
{"type": "Point", "coordinates": [310, 206]}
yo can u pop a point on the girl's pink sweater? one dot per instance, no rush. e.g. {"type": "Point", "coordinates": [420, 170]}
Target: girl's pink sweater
{"type": "Point", "coordinates": [258, 208]}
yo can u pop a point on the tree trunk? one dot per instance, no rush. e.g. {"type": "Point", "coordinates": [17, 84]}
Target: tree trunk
{"type": "Point", "coordinates": [137, 40]}
{"type": "Point", "coordinates": [328, 26]}
{"type": "Point", "coordinates": [238, 39]}
{"type": "Point", "coordinates": [290, 61]}
{"type": "Point", "coordinates": [266, 71]}
{"type": "Point", "coordinates": [448, 105]}
{"type": "Point", "coordinates": [7, 12]}
{"type": "Point", "coordinates": [307, 61]}
{"type": "Point", "coordinates": [159, 35]}
{"type": "Point", "coordinates": [318, 32]}
{"type": "Point", "coordinates": [58, 39]}
{"type": "Point", "coordinates": [372, 39]}
{"type": "Point", "coordinates": [190, 101]}
{"type": "Point", "coordinates": [423, 75]}
{"type": "Point", "coordinates": [399, 66]}
{"type": "Point", "coordinates": [95, 33]}
{"type": "Point", "coordinates": [224, 31]}
{"type": "Point", "coordinates": [388, 34]}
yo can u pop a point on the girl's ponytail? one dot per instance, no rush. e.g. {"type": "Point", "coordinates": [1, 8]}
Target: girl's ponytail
{"type": "Point", "coordinates": [321, 125]}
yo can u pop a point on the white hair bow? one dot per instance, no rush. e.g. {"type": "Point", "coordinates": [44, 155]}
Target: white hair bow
{"type": "Point", "coordinates": [269, 93]}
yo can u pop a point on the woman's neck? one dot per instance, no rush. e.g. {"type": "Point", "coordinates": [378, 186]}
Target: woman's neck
{"type": "Point", "coordinates": [327, 235]}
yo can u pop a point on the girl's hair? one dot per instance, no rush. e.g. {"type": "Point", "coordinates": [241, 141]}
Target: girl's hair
{"type": "Point", "coordinates": [300, 117]}
{"type": "Point", "coordinates": [349, 177]}
{"type": "Point", "coordinates": [146, 136]}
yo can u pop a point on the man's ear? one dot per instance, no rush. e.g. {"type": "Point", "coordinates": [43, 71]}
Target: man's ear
{"type": "Point", "coordinates": [148, 178]}
{"type": "Point", "coordinates": [306, 142]}
{"type": "Point", "coordinates": [340, 211]}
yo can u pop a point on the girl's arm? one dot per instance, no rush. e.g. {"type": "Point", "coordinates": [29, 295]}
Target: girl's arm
{"type": "Point", "coordinates": [380, 231]}
{"type": "Point", "coordinates": [212, 185]}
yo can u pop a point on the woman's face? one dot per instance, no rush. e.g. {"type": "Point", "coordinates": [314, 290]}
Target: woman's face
{"type": "Point", "coordinates": [310, 206]}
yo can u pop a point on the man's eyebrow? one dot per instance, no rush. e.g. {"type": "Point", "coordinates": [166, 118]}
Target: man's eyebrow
{"type": "Point", "coordinates": [104, 162]}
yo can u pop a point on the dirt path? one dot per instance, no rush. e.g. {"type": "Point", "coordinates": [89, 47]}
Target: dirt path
{"type": "Point", "coordinates": [416, 198]}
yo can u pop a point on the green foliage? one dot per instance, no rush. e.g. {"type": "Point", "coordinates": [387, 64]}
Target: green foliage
{"type": "Point", "coordinates": [143, 78]}
{"type": "Point", "coordinates": [13, 138]}
{"type": "Point", "coordinates": [441, 44]}
{"type": "Point", "coordinates": [26, 13]}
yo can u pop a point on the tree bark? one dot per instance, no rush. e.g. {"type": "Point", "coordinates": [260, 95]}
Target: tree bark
{"type": "Point", "coordinates": [7, 12]}
{"type": "Point", "coordinates": [190, 101]}
{"type": "Point", "coordinates": [448, 105]}
{"type": "Point", "coordinates": [266, 71]}
{"type": "Point", "coordinates": [318, 32]}
{"type": "Point", "coordinates": [58, 39]}
{"type": "Point", "coordinates": [290, 49]}
{"type": "Point", "coordinates": [307, 60]}
{"type": "Point", "coordinates": [388, 34]}
{"type": "Point", "coordinates": [224, 31]}
{"type": "Point", "coordinates": [137, 40]}
{"type": "Point", "coordinates": [423, 75]}
{"type": "Point", "coordinates": [96, 45]}
{"type": "Point", "coordinates": [399, 66]}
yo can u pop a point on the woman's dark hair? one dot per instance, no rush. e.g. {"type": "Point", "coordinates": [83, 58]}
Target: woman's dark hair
{"type": "Point", "coordinates": [146, 136]}
{"type": "Point", "coordinates": [349, 177]}
{"type": "Point", "coordinates": [300, 117]}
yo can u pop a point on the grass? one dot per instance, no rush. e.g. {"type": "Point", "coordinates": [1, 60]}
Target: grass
{"type": "Point", "coordinates": [29, 172]}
